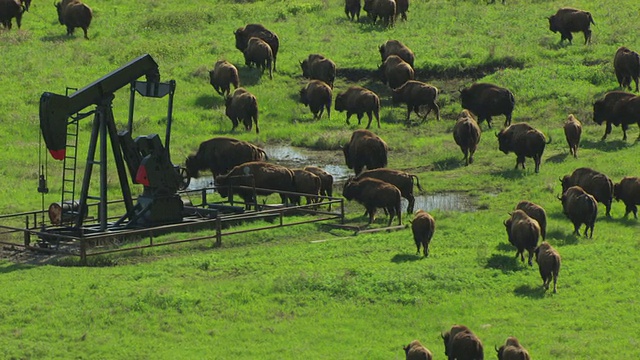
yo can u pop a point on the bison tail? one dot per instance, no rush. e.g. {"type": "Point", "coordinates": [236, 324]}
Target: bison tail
{"type": "Point", "coordinates": [417, 182]}
{"type": "Point", "coordinates": [590, 18]}
{"type": "Point", "coordinates": [549, 142]}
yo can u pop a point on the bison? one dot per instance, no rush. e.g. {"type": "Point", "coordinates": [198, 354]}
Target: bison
{"type": "Point", "coordinates": [423, 227]}
{"type": "Point", "coordinates": [626, 64]}
{"type": "Point", "coordinates": [259, 53]}
{"type": "Point", "coordinates": [318, 67]}
{"type": "Point", "coordinates": [317, 95]}
{"type": "Point", "coordinates": [10, 9]}
{"type": "Point", "coordinates": [460, 343]}
{"type": "Point", "coordinates": [626, 112]}
{"type": "Point", "coordinates": [603, 111]}
{"type": "Point", "coordinates": [365, 149]}
{"type": "Point", "coordinates": [523, 232]}
{"type": "Point", "coordinates": [223, 75]}
{"type": "Point", "coordinates": [568, 20]}
{"type": "Point", "coordinates": [395, 47]}
{"type": "Point", "coordinates": [466, 134]}
{"type": "Point", "coordinates": [358, 100]}
{"type": "Point", "coordinates": [326, 181]}
{"type": "Point", "coordinates": [572, 132]}
{"type": "Point", "coordinates": [487, 100]}
{"type": "Point", "coordinates": [221, 154]}
{"type": "Point", "coordinates": [416, 94]}
{"type": "Point", "coordinates": [374, 194]}
{"type": "Point", "coordinates": [536, 212]}
{"type": "Point", "coordinates": [352, 9]}
{"type": "Point", "coordinates": [242, 106]}
{"type": "Point", "coordinates": [395, 71]}
{"type": "Point", "coordinates": [593, 182]}
{"type": "Point", "coordinates": [549, 261]}
{"type": "Point", "coordinates": [512, 350]}
{"type": "Point", "coordinates": [243, 35]}
{"type": "Point", "coordinates": [402, 180]}
{"type": "Point", "coordinates": [416, 351]}
{"type": "Point", "coordinates": [74, 14]}
{"type": "Point", "coordinates": [628, 191]}
{"type": "Point", "coordinates": [581, 208]}
{"type": "Point", "coordinates": [265, 177]}
{"type": "Point", "coordinates": [385, 9]}
{"type": "Point", "coordinates": [402, 6]}
{"type": "Point", "coordinates": [306, 182]}
{"type": "Point", "coordinates": [524, 141]}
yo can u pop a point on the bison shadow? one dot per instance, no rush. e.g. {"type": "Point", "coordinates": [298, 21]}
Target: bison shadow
{"type": "Point", "coordinates": [510, 173]}
{"type": "Point", "coordinates": [557, 158]}
{"type": "Point", "coordinates": [563, 238]}
{"type": "Point", "coordinates": [209, 101]}
{"type": "Point", "coordinates": [503, 246]}
{"type": "Point", "coordinates": [250, 76]}
{"type": "Point", "coordinates": [57, 38]}
{"type": "Point", "coordinates": [450, 163]}
{"type": "Point", "coordinates": [606, 146]}
{"type": "Point", "coordinates": [504, 263]}
{"type": "Point", "coordinates": [403, 258]}
{"type": "Point", "coordinates": [534, 292]}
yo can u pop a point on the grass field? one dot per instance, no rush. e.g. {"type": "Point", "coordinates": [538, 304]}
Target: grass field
{"type": "Point", "coordinates": [312, 292]}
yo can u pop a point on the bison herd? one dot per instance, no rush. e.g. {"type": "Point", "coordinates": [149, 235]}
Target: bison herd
{"type": "Point", "coordinates": [71, 13]}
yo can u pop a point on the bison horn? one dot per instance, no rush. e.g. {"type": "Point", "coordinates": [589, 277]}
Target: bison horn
{"type": "Point", "coordinates": [495, 347]}
{"type": "Point", "coordinates": [559, 197]}
{"type": "Point", "coordinates": [504, 223]}
{"type": "Point", "coordinates": [442, 335]}
{"type": "Point", "coordinates": [496, 133]}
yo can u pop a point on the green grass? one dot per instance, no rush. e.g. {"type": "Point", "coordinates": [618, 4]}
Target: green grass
{"type": "Point", "coordinates": [311, 291]}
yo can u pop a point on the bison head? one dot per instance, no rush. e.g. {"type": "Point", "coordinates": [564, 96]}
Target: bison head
{"type": "Point", "coordinates": [566, 182]}
{"type": "Point", "coordinates": [465, 98]}
{"type": "Point", "coordinates": [553, 23]}
{"type": "Point", "coordinates": [445, 337]}
{"type": "Point", "coordinates": [304, 65]}
{"type": "Point", "coordinates": [58, 6]}
{"type": "Point", "coordinates": [397, 95]}
{"type": "Point", "coordinates": [340, 102]}
{"type": "Point", "coordinates": [499, 351]}
{"type": "Point", "coordinates": [350, 189]}
{"type": "Point", "coordinates": [193, 170]}
{"type": "Point", "coordinates": [221, 183]}
{"type": "Point", "coordinates": [347, 158]}
{"type": "Point", "coordinates": [241, 39]}
{"type": "Point", "coordinates": [598, 112]}
{"type": "Point", "coordinates": [504, 143]}
{"type": "Point", "coordinates": [303, 96]}
{"type": "Point", "coordinates": [617, 191]}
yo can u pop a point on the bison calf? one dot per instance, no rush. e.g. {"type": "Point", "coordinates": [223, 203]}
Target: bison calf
{"type": "Point", "coordinates": [243, 35]}
{"type": "Point", "coordinates": [628, 191]}
{"type": "Point", "coordinates": [416, 351]}
{"type": "Point", "coordinates": [423, 227]}
{"type": "Point", "coordinates": [416, 94]}
{"type": "Point", "coordinates": [358, 100]}
{"type": "Point", "coordinates": [242, 106]}
{"type": "Point", "coordinates": [581, 208]}
{"type": "Point", "coordinates": [626, 64]}
{"type": "Point", "coordinates": [259, 53]}
{"type": "Point", "coordinates": [374, 194]}
{"type": "Point", "coordinates": [548, 260]}
{"type": "Point", "coordinates": [223, 75]}
{"type": "Point", "coordinates": [466, 134]}
{"type": "Point", "coordinates": [317, 95]}
{"type": "Point", "coordinates": [326, 181]}
{"type": "Point", "coordinates": [523, 232]}
{"type": "Point", "coordinates": [512, 350]}
{"type": "Point", "coordinates": [572, 131]}
{"type": "Point", "coordinates": [365, 149]}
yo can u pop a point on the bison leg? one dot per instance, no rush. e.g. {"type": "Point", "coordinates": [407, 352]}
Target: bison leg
{"type": "Point", "coordinates": [607, 206]}
{"type": "Point", "coordinates": [418, 243]}
{"type": "Point", "coordinates": [84, 29]}
{"type": "Point", "coordinates": [412, 200]}
{"type": "Point", "coordinates": [530, 257]}
{"type": "Point", "coordinates": [587, 36]}
{"type": "Point", "coordinates": [408, 113]}
{"type": "Point", "coordinates": [372, 214]}
{"type": "Point", "coordinates": [624, 127]}
{"type": "Point", "coordinates": [555, 282]}
{"type": "Point", "coordinates": [536, 160]}
{"type": "Point", "coordinates": [507, 120]}
{"type": "Point", "coordinates": [488, 118]}
{"type": "Point", "coordinates": [607, 131]}
{"type": "Point", "coordinates": [349, 116]}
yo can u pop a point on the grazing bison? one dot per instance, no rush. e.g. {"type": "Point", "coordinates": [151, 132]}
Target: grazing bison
{"type": "Point", "coordinates": [423, 227]}
{"type": "Point", "coordinates": [416, 351]}
{"type": "Point", "coordinates": [626, 112]}
{"type": "Point", "coordinates": [221, 154]}
{"type": "Point", "coordinates": [318, 67]}
{"type": "Point", "coordinates": [385, 9]}
{"type": "Point", "coordinates": [223, 75]}
{"type": "Point", "coordinates": [74, 14]}
{"type": "Point", "coordinates": [416, 94]}
{"type": "Point", "coordinates": [626, 64]}
{"type": "Point", "coordinates": [402, 180]}
{"type": "Point", "coordinates": [466, 134]}
{"type": "Point", "coordinates": [536, 212]}
{"type": "Point", "coordinates": [524, 141]}
{"type": "Point", "coordinates": [548, 260]}
{"type": "Point", "coordinates": [581, 208]}
{"type": "Point", "coordinates": [317, 95]}
{"type": "Point", "coordinates": [259, 53]}
{"type": "Point", "coordinates": [305, 183]}
{"type": "Point", "coordinates": [358, 100]}
{"type": "Point", "coordinates": [572, 132]}
{"type": "Point", "coordinates": [395, 47]}
{"type": "Point", "coordinates": [487, 100]}
{"type": "Point", "coordinates": [395, 71]}
{"type": "Point", "coordinates": [603, 111]}
{"type": "Point", "coordinates": [374, 194]}
{"type": "Point", "coordinates": [10, 9]}
{"type": "Point", "coordinates": [352, 9]}
{"type": "Point", "coordinates": [628, 191]}
{"type": "Point", "coordinates": [568, 20]}
{"type": "Point", "coordinates": [243, 35]}
{"type": "Point", "coordinates": [512, 350]}
{"type": "Point", "coordinates": [460, 343]}
{"type": "Point", "coordinates": [593, 182]}
{"type": "Point", "coordinates": [242, 106]}
{"type": "Point", "coordinates": [402, 6]}
{"type": "Point", "coordinates": [268, 177]}
{"type": "Point", "coordinates": [523, 232]}
{"type": "Point", "coordinates": [365, 149]}
{"type": "Point", "coordinates": [326, 181]}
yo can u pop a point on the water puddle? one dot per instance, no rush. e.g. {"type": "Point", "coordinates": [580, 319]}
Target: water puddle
{"type": "Point", "coordinates": [447, 201]}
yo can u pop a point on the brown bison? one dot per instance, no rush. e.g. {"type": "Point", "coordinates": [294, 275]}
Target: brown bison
{"type": "Point", "coordinates": [74, 14]}
{"type": "Point", "coordinates": [223, 75]}
{"type": "Point", "coordinates": [487, 100]}
{"type": "Point", "coordinates": [460, 343]}
{"type": "Point", "coordinates": [358, 100]}
{"type": "Point", "coordinates": [523, 232]}
{"type": "Point", "coordinates": [395, 71]}
{"type": "Point", "coordinates": [326, 181]}
{"type": "Point", "coordinates": [352, 9]}
{"type": "Point", "coordinates": [466, 134]}
{"type": "Point", "coordinates": [572, 132]}
{"type": "Point", "coordinates": [365, 149]}
{"type": "Point", "coordinates": [305, 183]}
{"type": "Point", "coordinates": [259, 53]}
{"type": "Point", "coordinates": [593, 182]}
{"type": "Point", "coordinates": [524, 141]}
{"type": "Point", "coordinates": [243, 35]}
{"type": "Point", "coordinates": [402, 6]}
{"type": "Point", "coordinates": [242, 106]}
{"type": "Point", "coordinates": [626, 112]}
{"type": "Point", "coordinates": [512, 350]}
{"type": "Point", "coordinates": [374, 194]}
{"type": "Point", "coordinates": [395, 47]}
{"type": "Point", "coordinates": [221, 154]}
{"type": "Point", "coordinates": [603, 111]}
{"type": "Point", "coordinates": [568, 20]}
{"type": "Point", "coordinates": [416, 351]}
{"type": "Point", "coordinates": [549, 261]}
{"type": "Point", "coordinates": [581, 208]}
{"type": "Point", "coordinates": [402, 180]}
{"type": "Point", "coordinates": [628, 191]}
{"type": "Point", "coordinates": [423, 227]}
{"type": "Point", "coordinates": [536, 212]}
{"type": "Point", "coordinates": [317, 95]}
{"type": "Point", "coordinates": [10, 9]}
{"type": "Point", "coordinates": [318, 67]}
{"type": "Point", "coordinates": [267, 179]}
{"type": "Point", "coordinates": [416, 94]}
{"type": "Point", "coordinates": [384, 9]}
{"type": "Point", "coordinates": [626, 64]}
